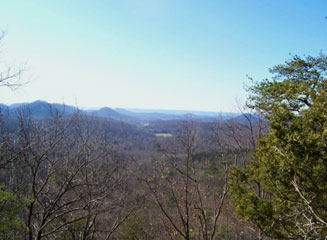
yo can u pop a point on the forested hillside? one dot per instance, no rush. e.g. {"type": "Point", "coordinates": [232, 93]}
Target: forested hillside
{"type": "Point", "coordinates": [114, 173]}
{"type": "Point", "coordinates": [69, 174]}
{"type": "Point", "coordinates": [83, 177]}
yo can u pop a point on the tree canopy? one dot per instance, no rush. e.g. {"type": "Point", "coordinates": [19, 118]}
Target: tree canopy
{"type": "Point", "coordinates": [284, 188]}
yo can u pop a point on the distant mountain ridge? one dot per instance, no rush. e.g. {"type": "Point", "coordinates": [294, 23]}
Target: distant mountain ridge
{"type": "Point", "coordinates": [37, 109]}
{"type": "Point", "coordinates": [42, 109]}
{"type": "Point", "coordinates": [178, 112]}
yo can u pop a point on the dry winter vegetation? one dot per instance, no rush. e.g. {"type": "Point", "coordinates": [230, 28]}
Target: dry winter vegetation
{"type": "Point", "coordinates": [261, 175]}
{"type": "Point", "coordinates": [68, 178]}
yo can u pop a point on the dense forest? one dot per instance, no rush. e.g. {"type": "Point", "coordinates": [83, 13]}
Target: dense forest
{"type": "Point", "coordinates": [260, 175]}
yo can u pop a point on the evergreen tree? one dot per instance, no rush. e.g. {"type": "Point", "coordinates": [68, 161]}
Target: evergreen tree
{"type": "Point", "coordinates": [284, 189]}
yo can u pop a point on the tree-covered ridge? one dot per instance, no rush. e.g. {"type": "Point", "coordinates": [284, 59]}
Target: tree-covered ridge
{"type": "Point", "coordinates": [72, 174]}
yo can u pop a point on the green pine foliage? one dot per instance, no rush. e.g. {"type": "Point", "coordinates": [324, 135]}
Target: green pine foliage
{"type": "Point", "coordinates": [284, 189]}
{"type": "Point", "coordinates": [10, 210]}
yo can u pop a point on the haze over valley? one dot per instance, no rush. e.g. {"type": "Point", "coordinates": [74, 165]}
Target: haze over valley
{"type": "Point", "coordinates": [163, 120]}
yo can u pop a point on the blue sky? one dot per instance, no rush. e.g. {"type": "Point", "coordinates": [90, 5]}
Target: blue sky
{"type": "Point", "coordinates": [162, 54]}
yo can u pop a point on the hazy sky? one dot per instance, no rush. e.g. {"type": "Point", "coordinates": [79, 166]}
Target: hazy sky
{"type": "Point", "coordinates": [164, 54]}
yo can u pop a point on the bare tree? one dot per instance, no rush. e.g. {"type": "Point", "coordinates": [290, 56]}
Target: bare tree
{"type": "Point", "coordinates": [189, 201]}
{"type": "Point", "coordinates": [239, 137]}
{"type": "Point", "coordinates": [10, 76]}
{"type": "Point", "coordinates": [72, 178]}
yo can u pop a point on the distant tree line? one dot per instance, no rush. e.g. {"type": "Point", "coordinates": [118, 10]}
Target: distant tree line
{"type": "Point", "coordinates": [81, 177]}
